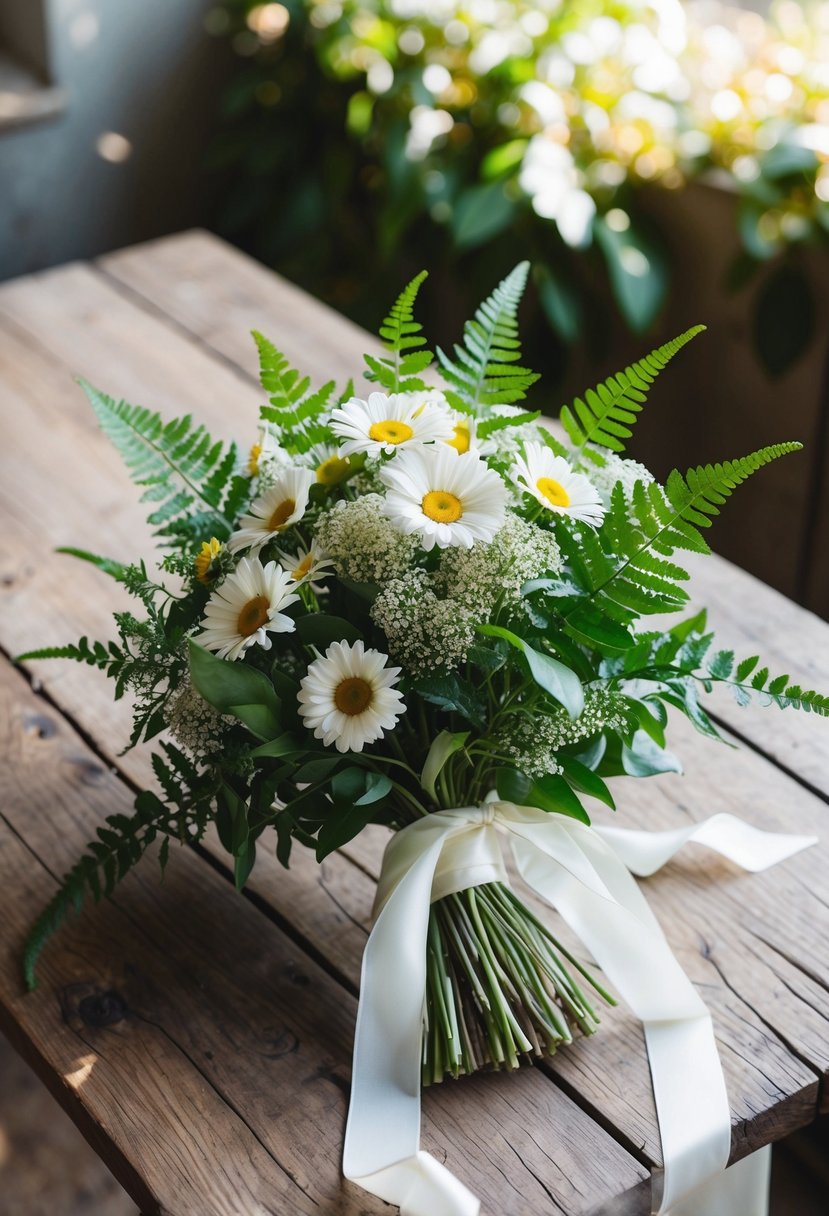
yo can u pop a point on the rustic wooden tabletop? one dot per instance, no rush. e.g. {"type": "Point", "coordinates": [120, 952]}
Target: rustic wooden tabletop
{"type": "Point", "coordinates": [200, 1039]}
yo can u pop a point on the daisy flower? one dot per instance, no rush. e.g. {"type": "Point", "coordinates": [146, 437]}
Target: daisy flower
{"type": "Point", "coordinates": [384, 424]}
{"type": "Point", "coordinates": [556, 486]}
{"type": "Point", "coordinates": [347, 696]}
{"type": "Point", "coordinates": [464, 437]}
{"type": "Point", "coordinates": [307, 565]}
{"type": "Point", "coordinates": [246, 608]}
{"type": "Point", "coordinates": [446, 498]}
{"type": "Point", "coordinates": [266, 453]}
{"type": "Point", "coordinates": [203, 563]}
{"type": "Point", "coordinates": [329, 465]}
{"type": "Point", "coordinates": [280, 507]}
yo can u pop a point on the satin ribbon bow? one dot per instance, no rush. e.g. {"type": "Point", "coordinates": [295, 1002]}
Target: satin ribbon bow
{"type": "Point", "coordinates": [586, 873]}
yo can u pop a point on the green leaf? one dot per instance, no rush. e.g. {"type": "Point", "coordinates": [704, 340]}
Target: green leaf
{"type": "Point", "coordinates": [589, 625]}
{"type": "Point", "coordinates": [320, 630]}
{"type": "Point", "coordinates": [224, 684]}
{"type": "Point", "coordinates": [481, 212]}
{"type": "Point", "coordinates": [559, 681]}
{"type": "Point", "coordinates": [585, 780]}
{"type": "Point", "coordinates": [243, 863]}
{"type": "Point", "coordinates": [551, 793]}
{"type": "Point", "coordinates": [444, 745]}
{"type": "Point", "coordinates": [453, 695]}
{"type": "Point", "coordinates": [638, 273]}
{"type": "Point", "coordinates": [259, 719]}
{"type": "Point", "coordinates": [341, 827]}
{"type": "Point", "coordinates": [644, 758]}
{"type": "Point", "coordinates": [114, 569]}
{"type": "Point", "coordinates": [283, 745]}
{"type": "Point", "coordinates": [785, 319]}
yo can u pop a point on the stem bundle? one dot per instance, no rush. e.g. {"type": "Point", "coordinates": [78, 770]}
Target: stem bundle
{"type": "Point", "coordinates": [499, 987]}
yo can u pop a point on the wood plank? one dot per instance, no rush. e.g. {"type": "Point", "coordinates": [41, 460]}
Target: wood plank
{"type": "Point", "coordinates": [232, 1046]}
{"type": "Point", "coordinates": [218, 295]}
{"type": "Point", "coordinates": [791, 1086]}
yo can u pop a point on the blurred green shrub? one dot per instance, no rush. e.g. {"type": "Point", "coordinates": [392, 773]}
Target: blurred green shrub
{"type": "Point", "coordinates": [362, 137]}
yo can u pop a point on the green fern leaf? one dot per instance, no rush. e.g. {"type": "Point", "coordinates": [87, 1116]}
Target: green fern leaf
{"type": "Point", "coordinates": [179, 466]}
{"type": "Point", "coordinates": [485, 370]}
{"type": "Point", "coordinates": [293, 408]}
{"type": "Point", "coordinates": [402, 336]}
{"type": "Point", "coordinates": [607, 415]}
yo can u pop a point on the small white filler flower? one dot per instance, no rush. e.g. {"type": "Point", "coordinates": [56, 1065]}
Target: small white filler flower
{"type": "Point", "coordinates": [384, 424]}
{"type": "Point", "coordinates": [556, 486]}
{"type": "Point", "coordinates": [246, 608]}
{"type": "Point", "coordinates": [347, 697]}
{"type": "Point", "coordinates": [446, 498]}
{"type": "Point", "coordinates": [280, 507]}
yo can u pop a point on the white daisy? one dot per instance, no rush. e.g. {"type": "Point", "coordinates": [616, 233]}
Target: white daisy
{"type": "Point", "coordinates": [557, 487]}
{"type": "Point", "coordinates": [246, 608]}
{"type": "Point", "coordinates": [267, 454]}
{"type": "Point", "coordinates": [464, 436]}
{"type": "Point", "coordinates": [329, 465]}
{"type": "Point", "coordinates": [307, 565]}
{"type": "Point", "coordinates": [347, 697]}
{"type": "Point", "coordinates": [280, 507]}
{"type": "Point", "coordinates": [384, 424]}
{"type": "Point", "coordinates": [446, 498]}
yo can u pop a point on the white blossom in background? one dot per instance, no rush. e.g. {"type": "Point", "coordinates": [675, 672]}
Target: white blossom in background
{"type": "Point", "coordinates": [555, 188]}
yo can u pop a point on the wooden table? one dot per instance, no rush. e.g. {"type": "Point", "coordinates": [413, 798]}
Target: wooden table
{"type": "Point", "coordinates": [200, 1039]}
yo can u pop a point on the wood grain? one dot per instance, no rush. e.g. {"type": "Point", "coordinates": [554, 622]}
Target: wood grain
{"type": "Point", "coordinates": [740, 939]}
{"type": "Point", "coordinates": [208, 1048]}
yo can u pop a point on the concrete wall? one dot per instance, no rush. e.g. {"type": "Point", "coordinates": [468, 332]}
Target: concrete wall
{"type": "Point", "coordinates": [143, 71]}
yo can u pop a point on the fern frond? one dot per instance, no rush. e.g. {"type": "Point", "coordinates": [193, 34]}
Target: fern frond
{"type": "Point", "coordinates": [402, 336]}
{"type": "Point", "coordinates": [182, 469]}
{"type": "Point", "coordinates": [485, 370]}
{"type": "Point", "coordinates": [96, 654]}
{"type": "Point", "coordinates": [626, 565]}
{"type": "Point", "coordinates": [607, 414]}
{"type": "Point", "coordinates": [748, 684]}
{"type": "Point", "coordinates": [292, 406]}
{"type": "Point", "coordinates": [117, 848]}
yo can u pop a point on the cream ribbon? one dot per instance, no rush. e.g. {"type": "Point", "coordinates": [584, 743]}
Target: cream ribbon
{"type": "Point", "coordinates": [584, 872]}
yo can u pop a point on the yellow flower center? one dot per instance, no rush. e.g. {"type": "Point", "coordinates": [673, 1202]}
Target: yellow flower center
{"type": "Point", "coordinates": [442, 507]}
{"type": "Point", "coordinates": [353, 696]}
{"type": "Point", "coordinates": [304, 566]}
{"type": "Point", "coordinates": [553, 491]}
{"type": "Point", "coordinates": [253, 615]}
{"type": "Point", "coordinates": [333, 470]}
{"type": "Point", "coordinates": [253, 459]}
{"type": "Point", "coordinates": [461, 439]}
{"type": "Point", "coordinates": [204, 558]}
{"type": "Point", "coordinates": [390, 431]}
{"type": "Point", "coordinates": [280, 515]}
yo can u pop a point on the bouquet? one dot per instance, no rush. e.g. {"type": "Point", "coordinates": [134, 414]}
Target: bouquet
{"type": "Point", "coordinates": [397, 606]}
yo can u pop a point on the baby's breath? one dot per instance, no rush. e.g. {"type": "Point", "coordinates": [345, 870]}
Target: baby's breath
{"type": "Point", "coordinates": [534, 740]}
{"type": "Point", "coordinates": [425, 633]}
{"type": "Point", "coordinates": [480, 576]}
{"type": "Point", "coordinates": [362, 542]}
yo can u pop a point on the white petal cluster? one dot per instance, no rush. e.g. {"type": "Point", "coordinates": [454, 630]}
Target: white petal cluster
{"type": "Point", "coordinates": [425, 633]}
{"type": "Point", "coordinates": [363, 544]}
{"type": "Point", "coordinates": [617, 469]}
{"type": "Point", "coordinates": [246, 607]}
{"type": "Point", "coordinates": [196, 726]}
{"type": "Point", "coordinates": [348, 698]}
{"type": "Point", "coordinates": [443, 497]}
{"type": "Point", "coordinates": [382, 425]}
{"type": "Point", "coordinates": [509, 441]}
{"type": "Point", "coordinates": [553, 483]}
{"type": "Point", "coordinates": [480, 576]}
{"type": "Point", "coordinates": [534, 739]}
{"type": "Point", "coordinates": [279, 508]}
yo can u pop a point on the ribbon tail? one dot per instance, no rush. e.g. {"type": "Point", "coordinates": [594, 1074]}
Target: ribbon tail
{"type": "Point", "coordinates": [382, 1140]}
{"type": "Point", "coordinates": [627, 943]}
{"type": "Point", "coordinates": [743, 1189]}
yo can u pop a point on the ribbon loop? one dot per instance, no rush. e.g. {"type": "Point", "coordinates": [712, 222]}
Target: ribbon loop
{"type": "Point", "coordinates": [586, 873]}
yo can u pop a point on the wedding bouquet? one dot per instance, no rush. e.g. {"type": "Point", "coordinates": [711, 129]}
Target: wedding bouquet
{"type": "Point", "coordinates": [398, 606]}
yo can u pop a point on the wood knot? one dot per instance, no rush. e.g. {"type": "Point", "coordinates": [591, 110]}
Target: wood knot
{"type": "Point", "coordinates": [88, 1005]}
{"type": "Point", "coordinates": [39, 725]}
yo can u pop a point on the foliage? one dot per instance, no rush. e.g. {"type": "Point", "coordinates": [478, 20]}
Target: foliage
{"type": "Point", "coordinates": [519, 662]}
{"type": "Point", "coordinates": [359, 137]}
